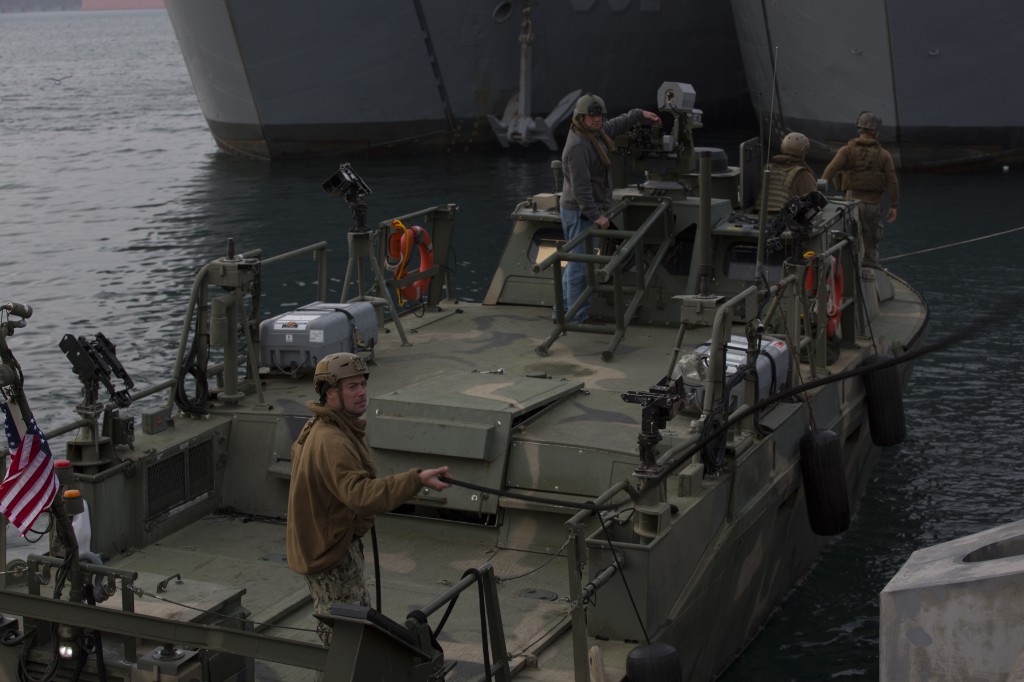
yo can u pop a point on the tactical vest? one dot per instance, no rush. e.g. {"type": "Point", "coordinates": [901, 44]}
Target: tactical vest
{"type": "Point", "coordinates": [864, 168]}
{"type": "Point", "coordinates": [779, 182]}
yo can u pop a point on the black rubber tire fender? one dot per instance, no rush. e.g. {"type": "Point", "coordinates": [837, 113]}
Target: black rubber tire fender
{"type": "Point", "coordinates": [828, 500]}
{"type": "Point", "coordinates": [884, 402]}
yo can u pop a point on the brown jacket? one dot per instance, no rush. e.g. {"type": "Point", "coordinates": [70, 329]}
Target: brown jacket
{"type": "Point", "coordinates": [334, 492]}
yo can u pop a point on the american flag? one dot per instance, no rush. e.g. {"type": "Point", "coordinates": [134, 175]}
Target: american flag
{"type": "Point", "coordinates": [31, 482]}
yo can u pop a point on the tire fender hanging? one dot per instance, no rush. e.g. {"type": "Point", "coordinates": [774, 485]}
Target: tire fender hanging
{"type": "Point", "coordinates": [821, 464]}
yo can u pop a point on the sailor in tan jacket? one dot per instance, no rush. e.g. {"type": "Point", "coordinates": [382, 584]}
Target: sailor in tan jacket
{"type": "Point", "coordinates": [335, 493]}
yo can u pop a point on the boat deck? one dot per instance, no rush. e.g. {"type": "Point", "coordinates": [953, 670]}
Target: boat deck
{"type": "Point", "coordinates": [418, 562]}
{"type": "Point", "coordinates": [420, 558]}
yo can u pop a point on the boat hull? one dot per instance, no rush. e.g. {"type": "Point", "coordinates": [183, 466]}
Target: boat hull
{"type": "Point", "coordinates": [937, 76]}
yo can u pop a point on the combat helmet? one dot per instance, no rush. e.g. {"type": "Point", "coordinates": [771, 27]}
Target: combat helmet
{"type": "Point", "coordinates": [795, 144]}
{"type": "Point", "coordinates": [868, 120]}
{"type": "Point", "coordinates": [589, 104]}
{"type": "Point", "coordinates": [335, 367]}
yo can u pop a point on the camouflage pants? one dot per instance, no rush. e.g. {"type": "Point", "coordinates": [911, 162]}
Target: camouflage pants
{"type": "Point", "coordinates": [343, 584]}
{"type": "Point", "coordinates": [871, 232]}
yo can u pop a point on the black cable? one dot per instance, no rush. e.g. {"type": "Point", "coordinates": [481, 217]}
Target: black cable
{"type": "Point", "coordinates": [24, 675]}
{"type": "Point", "coordinates": [198, 404]}
{"type": "Point", "coordinates": [485, 640]}
{"type": "Point", "coordinates": [376, 563]}
{"type": "Point", "coordinates": [101, 664]}
{"type": "Point", "coordinates": [625, 582]}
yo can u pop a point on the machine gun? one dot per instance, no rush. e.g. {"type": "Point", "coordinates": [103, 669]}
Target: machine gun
{"type": "Point", "coordinates": [94, 362]}
{"type": "Point", "coordinates": [794, 220]}
{"type": "Point", "coordinates": [666, 156]}
{"type": "Point", "coordinates": [658, 404]}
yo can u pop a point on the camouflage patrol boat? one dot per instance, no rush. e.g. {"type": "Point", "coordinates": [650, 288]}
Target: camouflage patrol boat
{"type": "Point", "coordinates": [632, 495]}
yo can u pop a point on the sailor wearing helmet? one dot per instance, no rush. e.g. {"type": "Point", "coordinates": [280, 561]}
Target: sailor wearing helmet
{"type": "Point", "coordinates": [866, 172]}
{"type": "Point", "coordinates": [789, 175]}
{"type": "Point", "coordinates": [334, 492]}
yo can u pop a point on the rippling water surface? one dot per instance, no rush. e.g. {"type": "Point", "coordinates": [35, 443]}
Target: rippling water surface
{"type": "Point", "coordinates": [112, 193]}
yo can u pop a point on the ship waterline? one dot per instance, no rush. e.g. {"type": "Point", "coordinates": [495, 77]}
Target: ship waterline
{"type": "Point", "coordinates": [940, 78]}
{"type": "Point", "coordinates": [304, 78]}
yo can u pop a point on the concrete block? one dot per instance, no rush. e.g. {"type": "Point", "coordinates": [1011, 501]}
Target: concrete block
{"type": "Point", "coordinates": [955, 611]}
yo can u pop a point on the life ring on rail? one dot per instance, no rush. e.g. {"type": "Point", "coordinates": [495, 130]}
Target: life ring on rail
{"type": "Point", "coordinates": [833, 291]}
{"type": "Point", "coordinates": [400, 249]}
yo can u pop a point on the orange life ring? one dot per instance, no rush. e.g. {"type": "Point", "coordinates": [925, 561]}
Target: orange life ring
{"type": "Point", "coordinates": [400, 247]}
{"type": "Point", "coordinates": [833, 291]}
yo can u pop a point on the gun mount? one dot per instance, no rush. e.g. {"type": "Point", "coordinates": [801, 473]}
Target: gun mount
{"type": "Point", "coordinates": [794, 221]}
{"type": "Point", "coordinates": [666, 157]}
{"type": "Point", "coordinates": [658, 405]}
{"type": "Point", "coordinates": [95, 362]}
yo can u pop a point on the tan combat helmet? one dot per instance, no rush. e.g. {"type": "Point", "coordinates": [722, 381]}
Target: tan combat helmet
{"type": "Point", "coordinates": [795, 144]}
{"type": "Point", "coordinates": [589, 104]}
{"type": "Point", "coordinates": [335, 367]}
{"type": "Point", "coordinates": [868, 121]}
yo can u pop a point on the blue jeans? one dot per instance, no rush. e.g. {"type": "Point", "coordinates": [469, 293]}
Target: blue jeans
{"type": "Point", "coordinates": [574, 276]}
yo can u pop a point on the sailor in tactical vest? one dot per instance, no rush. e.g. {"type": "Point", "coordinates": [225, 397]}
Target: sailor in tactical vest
{"type": "Point", "coordinates": [865, 171]}
{"type": "Point", "coordinates": [789, 175]}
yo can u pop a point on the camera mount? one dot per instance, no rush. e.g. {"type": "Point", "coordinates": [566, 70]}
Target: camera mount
{"type": "Point", "coordinates": [345, 182]}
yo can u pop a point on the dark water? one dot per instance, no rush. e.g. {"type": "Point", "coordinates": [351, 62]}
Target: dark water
{"type": "Point", "coordinates": [112, 193]}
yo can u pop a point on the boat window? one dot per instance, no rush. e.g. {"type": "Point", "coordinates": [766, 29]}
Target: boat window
{"type": "Point", "coordinates": [677, 260]}
{"type": "Point", "coordinates": [741, 263]}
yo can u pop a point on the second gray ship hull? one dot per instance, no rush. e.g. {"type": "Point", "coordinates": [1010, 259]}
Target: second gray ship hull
{"type": "Point", "coordinates": [944, 77]}
{"type": "Point", "coordinates": [282, 79]}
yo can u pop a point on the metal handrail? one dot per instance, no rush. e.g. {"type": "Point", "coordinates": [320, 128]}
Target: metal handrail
{"type": "Point", "coordinates": [484, 575]}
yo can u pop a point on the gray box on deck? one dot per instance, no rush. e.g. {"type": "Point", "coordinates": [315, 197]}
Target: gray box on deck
{"type": "Point", "coordinates": [297, 340]}
{"type": "Point", "coordinates": [772, 368]}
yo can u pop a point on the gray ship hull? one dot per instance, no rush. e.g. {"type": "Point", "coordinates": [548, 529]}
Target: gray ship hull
{"type": "Point", "coordinates": [286, 79]}
{"type": "Point", "coordinates": [942, 77]}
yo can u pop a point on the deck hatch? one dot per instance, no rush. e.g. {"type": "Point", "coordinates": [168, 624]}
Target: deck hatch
{"type": "Point", "coordinates": [459, 415]}
{"type": "Point", "coordinates": [464, 419]}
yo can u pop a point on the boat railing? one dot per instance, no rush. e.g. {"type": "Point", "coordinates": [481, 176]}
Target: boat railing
{"type": "Point", "coordinates": [101, 579]}
{"type": "Point", "coordinates": [580, 594]}
{"type": "Point", "coordinates": [629, 255]}
{"type": "Point", "coordinates": [441, 220]}
{"type": "Point", "coordinates": [240, 276]}
{"type": "Point", "coordinates": [805, 312]}
{"type": "Point", "coordinates": [804, 330]}
{"type": "Point", "coordinates": [382, 644]}
{"type": "Point", "coordinates": [493, 636]}
{"type": "Point", "coordinates": [226, 315]}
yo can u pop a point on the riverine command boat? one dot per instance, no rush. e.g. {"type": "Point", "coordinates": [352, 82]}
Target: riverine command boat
{"type": "Point", "coordinates": [632, 495]}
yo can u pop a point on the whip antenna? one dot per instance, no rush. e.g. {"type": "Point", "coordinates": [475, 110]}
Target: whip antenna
{"type": "Point", "coordinates": [771, 109]}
